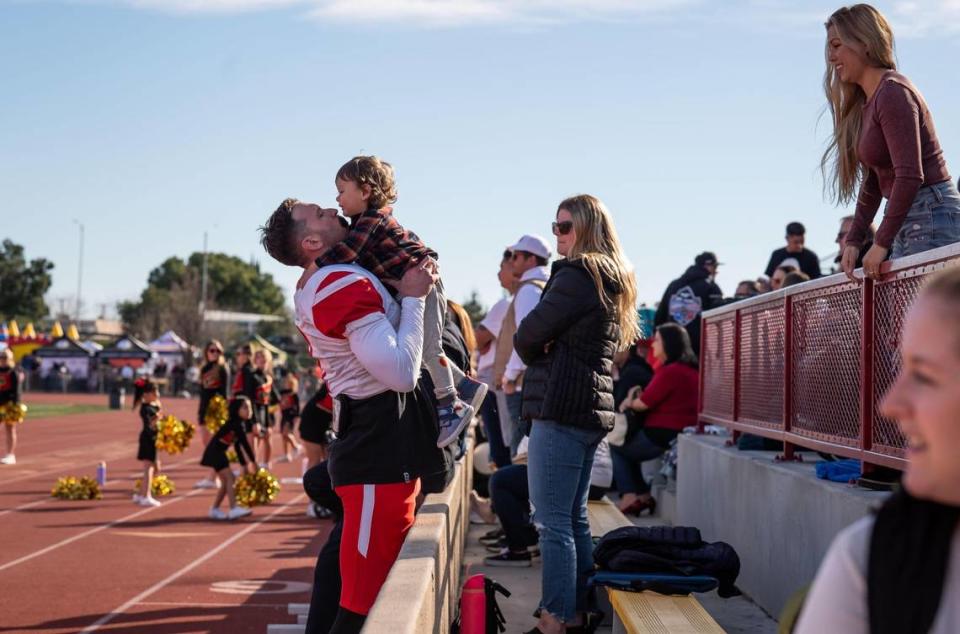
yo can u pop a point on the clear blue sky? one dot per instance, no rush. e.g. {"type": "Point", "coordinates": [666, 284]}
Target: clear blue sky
{"type": "Point", "coordinates": [152, 121]}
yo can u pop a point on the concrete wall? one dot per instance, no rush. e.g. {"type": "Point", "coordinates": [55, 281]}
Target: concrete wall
{"type": "Point", "coordinates": [423, 588]}
{"type": "Point", "coordinates": [778, 516]}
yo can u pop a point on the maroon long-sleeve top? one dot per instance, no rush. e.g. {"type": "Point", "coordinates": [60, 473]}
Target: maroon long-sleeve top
{"type": "Point", "coordinates": [900, 150]}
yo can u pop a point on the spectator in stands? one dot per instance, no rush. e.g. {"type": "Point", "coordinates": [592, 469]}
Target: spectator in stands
{"type": "Point", "coordinates": [898, 570]}
{"type": "Point", "coordinates": [797, 277]}
{"type": "Point", "coordinates": [634, 371]}
{"type": "Point", "coordinates": [845, 223]}
{"type": "Point", "coordinates": [782, 271]}
{"type": "Point", "coordinates": [746, 289]}
{"type": "Point", "coordinates": [587, 312]}
{"type": "Point", "coordinates": [806, 260]}
{"type": "Point", "coordinates": [659, 413]}
{"type": "Point", "coordinates": [486, 334]}
{"type": "Point", "coordinates": [884, 140]}
{"type": "Point", "coordinates": [763, 283]}
{"type": "Point", "coordinates": [529, 257]}
{"type": "Point", "coordinates": [691, 294]}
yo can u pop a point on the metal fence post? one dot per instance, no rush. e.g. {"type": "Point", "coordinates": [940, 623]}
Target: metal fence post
{"type": "Point", "coordinates": [787, 374]}
{"type": "Point", "coordinates": [736, 364]}
{"type": "Point", "coordinates": [866, 366]}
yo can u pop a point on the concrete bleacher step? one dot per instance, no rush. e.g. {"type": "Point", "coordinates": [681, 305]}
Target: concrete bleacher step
{"type": "Point", "coordinates": [286, 628]}
{"type": "Point", "coordinates": [298, 608]}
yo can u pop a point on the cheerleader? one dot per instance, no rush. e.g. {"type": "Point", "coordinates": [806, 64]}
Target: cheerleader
{"type": "Point", "coordinates": [215, 457]}
{"type": "Point", "coordinates": [245, 384]}
{"type": "Point", "coordinates": [9, 393]}
{"type": "Point", "coordinates": [289, 415]}
{"type": "Point", "coordinates": [147, 396]}
{"type": "Point", "coordinates": [265, 397]}
{"type": "Point", "coordinates": [316, 433]}
{"type": "Point", "coordinates": [213, 381]}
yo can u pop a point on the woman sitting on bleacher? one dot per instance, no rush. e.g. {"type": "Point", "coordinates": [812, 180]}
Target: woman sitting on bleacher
{"type": "Point", "coordinates": [898, 571]}
{"type": "Point", "coordinates": [656, 415]}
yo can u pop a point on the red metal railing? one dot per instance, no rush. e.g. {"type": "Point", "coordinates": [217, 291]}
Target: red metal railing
{"type": "Point", "coordinates": [809, 364]}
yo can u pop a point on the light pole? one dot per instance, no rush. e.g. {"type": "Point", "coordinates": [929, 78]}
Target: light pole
{"type": "Point", "coordinates": [203, 280]}
{"type": "Point", "coordinates": [76, 316]}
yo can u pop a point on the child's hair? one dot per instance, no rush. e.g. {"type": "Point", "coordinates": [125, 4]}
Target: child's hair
{"type": "Point", "coordinates": [370, 170]}
{"type": "Point", "coordinates": [140, 387]}
{"type": "Point", "coordinates": [233, 410]}
{"type": "Point", "coordinates": [7, 354]}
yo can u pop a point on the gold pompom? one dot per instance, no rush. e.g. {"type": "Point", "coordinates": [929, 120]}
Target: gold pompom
{"type": "Point", "coordinates": [216, 414]}
{"type": "Point", "coordinates": [13, 413]}
{"type": "Point", "coordinates": [232, 456]}
{"type": "Point", "coordinates": [74, 488]}
{"type": "Point", "coordinates": [253, 489]}
{"type": "Point", "coordinates": [173, 434]}
{"type": "Point", "coordinates": [161, 486]}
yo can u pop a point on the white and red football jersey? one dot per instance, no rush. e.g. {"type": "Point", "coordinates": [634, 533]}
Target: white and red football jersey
{"type": "Point", "coordinates": [354, 328]}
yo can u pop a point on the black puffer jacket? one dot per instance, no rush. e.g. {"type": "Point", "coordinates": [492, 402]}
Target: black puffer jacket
{"type": "Point", "coordinates": [568, 342]}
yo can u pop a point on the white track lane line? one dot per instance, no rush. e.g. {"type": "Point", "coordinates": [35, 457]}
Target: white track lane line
{"type": "Point", "coordinates": [161, 584]}
{"type": "Point", "coordinates": [70, 540]}
{"type": "Point", "coordinates": [171, 467]}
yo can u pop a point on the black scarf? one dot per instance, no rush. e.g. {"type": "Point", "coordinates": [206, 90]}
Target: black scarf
{"type": "Point", "coordinates": [909, 555]}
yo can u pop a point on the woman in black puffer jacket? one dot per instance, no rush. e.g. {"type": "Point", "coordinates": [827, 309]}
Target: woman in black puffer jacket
{"type": "Point", "coordinates": [586, 313]}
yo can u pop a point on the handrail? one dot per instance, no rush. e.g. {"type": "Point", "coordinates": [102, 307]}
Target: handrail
{"type": "Point", "coordinates": [809, 364]}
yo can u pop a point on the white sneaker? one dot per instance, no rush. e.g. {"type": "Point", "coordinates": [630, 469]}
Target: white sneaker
{"type": "Point", "coordinates": [238, 511]}
{"type": "Point", "coordinates": [136, 498]}
{"type": "Point", "coordinates": [311, 510]}
{"type": "Point", "coordinates": [8, 459]}
{"type": "Point", "coordinates": [282, 459]}
{"type": "Point", "coordinates": [149, 501]}
{"type": "Point", "coordinates": [206, 483]}
{"type": "Point", "coordinates": [217, 514]}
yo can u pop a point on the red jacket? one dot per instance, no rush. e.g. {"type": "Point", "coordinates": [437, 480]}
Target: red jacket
{"type": "Point", "coordinates": [672, 397]}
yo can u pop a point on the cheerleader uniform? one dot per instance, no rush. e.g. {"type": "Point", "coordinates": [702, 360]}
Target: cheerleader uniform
{"type": "Point", "coordinates": [149, 412]}
{"type": "Point", "coordinates": [213, 381]}
{"type": "Point", "coordinates": [265, 395]}
{"type": "Point", "coordinates": [232, 432]}
{"type": "Point", "coordinates": [9, 386]}
{"type": "Point", "coordinates": [317, 416]}
{"type": "Point", "coordinates": [245, 384]}
{"type": "Point", "coordinates": [289, 409]}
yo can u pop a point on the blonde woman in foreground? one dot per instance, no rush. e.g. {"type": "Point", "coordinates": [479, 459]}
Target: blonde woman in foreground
{"type": "Point", "coordinates": [898, 572]}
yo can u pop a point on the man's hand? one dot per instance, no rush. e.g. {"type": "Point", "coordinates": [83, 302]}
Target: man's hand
{"type": "Point", "coordinates": [872, 261]}
{"type": "Point", "coordinates": [509, 387]}
{"type": "Point", "coordinates": [419, 279]}
{"type": "Point", "coordinates": [848, 261]}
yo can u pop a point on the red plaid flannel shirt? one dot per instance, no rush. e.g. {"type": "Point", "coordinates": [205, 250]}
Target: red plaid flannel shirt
{"type": "Point", "coordinates": [378, 243]}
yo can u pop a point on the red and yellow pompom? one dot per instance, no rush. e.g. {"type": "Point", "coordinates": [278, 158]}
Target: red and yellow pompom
{"type": "Point", "coordinates": [216, 414]}
{"type": "Point", "coordinates": [254, 489]}
{"type": "Point", "coordinates": [173, 434]}
{"type": "Point", "coordinates": [161, 486]}
{"type": "Point", "coordinates": [13, 413]}
{"type": "Point", "coordinates": [74, 488]}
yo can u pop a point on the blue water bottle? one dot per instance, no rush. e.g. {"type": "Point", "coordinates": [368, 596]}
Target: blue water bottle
{"type": "Point", "coordinates": [102, 473]}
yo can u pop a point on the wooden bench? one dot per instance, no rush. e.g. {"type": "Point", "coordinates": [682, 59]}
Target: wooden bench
{"type": "Point", "coordinates": [642, 612]}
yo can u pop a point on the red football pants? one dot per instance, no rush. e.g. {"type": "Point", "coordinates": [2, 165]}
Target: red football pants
{"type": "Point", "coordinates": [376, 518]}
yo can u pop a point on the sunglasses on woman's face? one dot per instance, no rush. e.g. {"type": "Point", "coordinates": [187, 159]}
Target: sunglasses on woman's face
{"type": "Point", "coordinates": [212, 351]}
{"type": "Point", "coordinates": [562, 228]}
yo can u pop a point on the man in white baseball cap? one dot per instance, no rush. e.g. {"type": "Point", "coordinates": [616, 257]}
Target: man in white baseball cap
{"type": "Point", "coordinates": [531, 255]}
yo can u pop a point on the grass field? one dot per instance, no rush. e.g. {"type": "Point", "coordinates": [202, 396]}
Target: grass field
{"type": "Point", "coordinates": [48, 410]}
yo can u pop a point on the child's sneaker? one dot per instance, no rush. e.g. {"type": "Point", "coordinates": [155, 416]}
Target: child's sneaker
{"type": "Point", "coordinates": [8, 459]}
{"type": "Point", "coordinates": [472, 392]}
{"type": "Point", "coordinates": [237, 512]}
{"type": "Point", "coordinates": [453, 419]}
{"type": "Point", "coordinates": [217, 514]}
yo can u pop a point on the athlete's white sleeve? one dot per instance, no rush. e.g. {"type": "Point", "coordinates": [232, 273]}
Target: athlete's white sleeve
{"type": "Point", "coordinates": [392, 357]}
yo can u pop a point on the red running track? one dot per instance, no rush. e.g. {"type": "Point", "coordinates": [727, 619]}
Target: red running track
{"type": "Point", "coordinates": [111, 566]}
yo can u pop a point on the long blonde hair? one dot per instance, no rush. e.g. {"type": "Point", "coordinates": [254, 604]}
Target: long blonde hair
{"type": "Point", "coordinates": [863, 24]}
{"type": "Point", "coordinates": [598, 247]}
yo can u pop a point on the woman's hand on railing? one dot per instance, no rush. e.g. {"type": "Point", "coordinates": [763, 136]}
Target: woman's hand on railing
{"type": "Point", "coordinates": [848, 261]}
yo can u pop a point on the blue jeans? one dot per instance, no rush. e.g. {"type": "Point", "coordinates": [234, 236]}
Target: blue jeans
{"type": "Point", "coordinates": [628, 462]}
{"type": "Point", "coordinates": [932, 221]}
{"type": "Point", "coordinates": [490, 415]}
{"type": "Point", "coordinates": [559, 462]}
{"type": "Point", "coordinates": [514, 403]}
{"type": "Point", "coordinates": [510, 494]}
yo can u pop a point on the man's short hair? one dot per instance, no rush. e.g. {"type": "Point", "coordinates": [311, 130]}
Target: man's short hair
{"type": "Point", "coordinates": [541, 261]}
{"type": "Point", "coordinates": [796, 229]}
{"type": "Point", "coordinates": [281, 234]}
{"type": "Point", "coordinates": [796, 277]}
{"type": "Point", "coordinates": [787, 269]}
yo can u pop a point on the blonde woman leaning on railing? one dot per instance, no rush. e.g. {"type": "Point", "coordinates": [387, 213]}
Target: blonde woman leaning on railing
{"type": "Point", "coordinates": [898, 572]}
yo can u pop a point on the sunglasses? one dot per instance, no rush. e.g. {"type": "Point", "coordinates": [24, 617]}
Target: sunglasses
{"type": "Point", "coordinates": [562, 228]}
{"type": "Point", "coordinates": [212, 351]}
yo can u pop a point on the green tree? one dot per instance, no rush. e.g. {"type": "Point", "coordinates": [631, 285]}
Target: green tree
{"type": "Point", "coordinates": [22, 283]}
{"type": "Point", "coordinates": [172, 297]}
{"type": "Point", "coordinates": [474, 308]}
